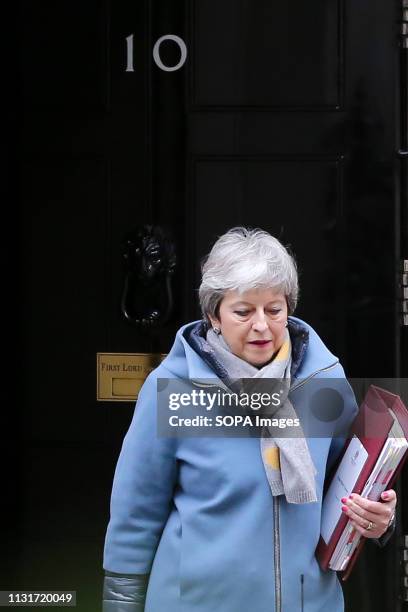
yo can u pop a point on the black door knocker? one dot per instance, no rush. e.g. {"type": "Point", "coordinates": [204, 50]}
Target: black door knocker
{"type": "Point", "coordinates": [150, 262]}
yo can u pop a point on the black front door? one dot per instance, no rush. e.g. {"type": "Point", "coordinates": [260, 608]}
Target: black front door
{"type": "Point", "coordinates": [276, 115]}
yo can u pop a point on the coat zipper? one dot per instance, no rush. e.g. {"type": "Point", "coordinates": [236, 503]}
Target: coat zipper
{"type": "Point", "coordinates": [276, 517]}
{"type": "Point", "coordinates": [276, 529]}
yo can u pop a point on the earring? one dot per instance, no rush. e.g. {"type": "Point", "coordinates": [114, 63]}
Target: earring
{"type": "Point", "coordinates": [286, 324]}
{"type": "Point", "coordinates": [217, 330]}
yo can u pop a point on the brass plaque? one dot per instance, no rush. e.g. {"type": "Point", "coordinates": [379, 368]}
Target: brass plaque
{"type": "Point", "coordinates": [120, 376]}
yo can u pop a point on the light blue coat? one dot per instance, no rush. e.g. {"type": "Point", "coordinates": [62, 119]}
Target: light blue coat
{"type": "Point", "coordinates": [198, 514]}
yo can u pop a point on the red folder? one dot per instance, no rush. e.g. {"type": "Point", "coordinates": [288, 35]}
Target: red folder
{"type": "Point", "coordinates": [372, 426]}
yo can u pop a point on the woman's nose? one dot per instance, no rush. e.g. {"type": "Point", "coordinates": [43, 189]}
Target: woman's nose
{"type": "Point", "coordinates": [259, 323]}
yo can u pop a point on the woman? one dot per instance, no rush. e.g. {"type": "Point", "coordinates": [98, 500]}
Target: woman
{"type": "Point", "coordinates": [207, 523]}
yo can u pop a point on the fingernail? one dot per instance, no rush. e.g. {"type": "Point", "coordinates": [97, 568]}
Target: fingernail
{"type": "Point", "coordinates": [384, 495]}
{"type": "Point", "coordinates": [344, 508]}
{"type": "Point", "coordinates": [343, 500]}
{"type": "Point", "coordinates": [351, 497]}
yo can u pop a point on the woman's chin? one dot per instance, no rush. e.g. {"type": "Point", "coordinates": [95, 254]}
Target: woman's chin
{"type": "Point", "coordinates": [259, 362]}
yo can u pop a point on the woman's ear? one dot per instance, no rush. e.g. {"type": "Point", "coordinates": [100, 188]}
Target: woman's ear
{"type": "Point", "coordinates": [214, 322]}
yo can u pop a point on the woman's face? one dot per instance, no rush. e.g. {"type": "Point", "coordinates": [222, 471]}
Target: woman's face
{"type": "Point", "coordinates": [253, 323]}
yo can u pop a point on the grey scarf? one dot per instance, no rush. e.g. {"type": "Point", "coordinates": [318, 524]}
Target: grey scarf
{"type": "Point", "coordinates": [287, 461]}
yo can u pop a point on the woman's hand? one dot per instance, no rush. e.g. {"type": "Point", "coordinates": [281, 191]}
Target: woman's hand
{"type": "Point", "coordinates": [365, 513]}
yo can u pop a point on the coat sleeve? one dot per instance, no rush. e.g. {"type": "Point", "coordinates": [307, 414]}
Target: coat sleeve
{"type": "Point", "coordinates": [142, 492]}
{"type": "Point", "coordinates": [338, 443]}
{"type": "Point", "coordinates": [349, 413]}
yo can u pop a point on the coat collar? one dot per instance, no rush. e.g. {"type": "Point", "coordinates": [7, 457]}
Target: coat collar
{"type": "Point", "coordinates": [196, 337]}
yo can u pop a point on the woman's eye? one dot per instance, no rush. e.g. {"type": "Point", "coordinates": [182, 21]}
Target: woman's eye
{"type": "Point", "coordinates": [242, 313]}
{"type": "Point", "coordinates": [274, 312]}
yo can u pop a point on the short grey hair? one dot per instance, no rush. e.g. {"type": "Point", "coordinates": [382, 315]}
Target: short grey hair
{"type": "Point", "coordinates": [243, 259]}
